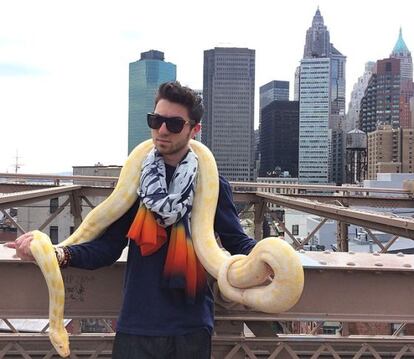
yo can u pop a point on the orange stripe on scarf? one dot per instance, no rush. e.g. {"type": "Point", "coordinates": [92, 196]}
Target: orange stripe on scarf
{"type": "Point", "coordinates": [146, 232]}
{"type": "Point", "coordinates": [183, 264]}
{"type": "Point", "coordinates": [176, 261]}
{"type": "Point", "coordinates": [182, 269]}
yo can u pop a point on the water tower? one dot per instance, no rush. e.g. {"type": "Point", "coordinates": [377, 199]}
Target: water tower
{"type": "Point", "coordinates": [356, 156]}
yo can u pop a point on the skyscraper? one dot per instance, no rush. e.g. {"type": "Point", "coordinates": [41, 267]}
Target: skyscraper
{"type": "Point", "coordinates": [274, 91]}
{"type": "Point", "coordinates": [386, 99]}
{"type": "Point", "coordinates": [381, 101]}
{"type": "Point", "coordinates": [199, 92]}
{"type": "Point", "coordinates": [358, 91]}
{"type": "Point", "coordinates": [279, 135]}
{"type": "Point", "coordinates": [296, 84]}
{"type": "Point", "coordinates": [145, 76]}
{"type": "Point", "coordinates": [390, 150]}
{"type": "Point", "coordinates": [401, 52]}
{"type": "Point", "coordinates": [314, 114]}
{"type": "Point", "coordinates": [317, 38]}
{"type": "Point", "coordinates": [321, 79]}
{"type": "Point", "coordinates": [228, 95]}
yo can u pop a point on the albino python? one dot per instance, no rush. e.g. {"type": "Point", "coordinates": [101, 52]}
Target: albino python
{"type": "Point", "coordinates": [241, 278]}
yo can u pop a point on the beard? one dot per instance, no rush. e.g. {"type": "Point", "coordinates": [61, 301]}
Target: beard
{"type": "Point", "coordinates": [172, 146]}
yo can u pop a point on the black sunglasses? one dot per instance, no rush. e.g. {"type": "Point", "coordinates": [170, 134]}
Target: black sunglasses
{"type": "Point", "coordinates": [174, 124]}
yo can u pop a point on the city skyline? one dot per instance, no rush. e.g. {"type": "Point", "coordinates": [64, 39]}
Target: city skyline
{"type": "Point", "coordinates": [64, 66]}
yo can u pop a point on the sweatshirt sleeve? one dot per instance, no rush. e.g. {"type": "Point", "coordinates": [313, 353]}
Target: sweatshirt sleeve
{"type": "Point", "coordinates": [227, 223]}
{"type": "Point", "coordinates": [107, 248]}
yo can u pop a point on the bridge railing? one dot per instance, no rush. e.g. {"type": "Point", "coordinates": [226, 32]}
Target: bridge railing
{"type": "Point", "coordinates": [365, 299]}
{"type": "Point", "coordinates": [362, 299]}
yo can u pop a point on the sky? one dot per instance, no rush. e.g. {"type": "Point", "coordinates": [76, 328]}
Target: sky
{"type": "Point", "coordinates": [64, 64]}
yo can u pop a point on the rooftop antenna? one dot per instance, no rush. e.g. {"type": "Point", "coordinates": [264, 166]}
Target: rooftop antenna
{"type": "Point", "coordinates": [17, 164]}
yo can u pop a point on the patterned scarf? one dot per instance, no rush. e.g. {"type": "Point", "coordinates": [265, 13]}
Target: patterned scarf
{"type": "Point", "coordinates": [163, 206]}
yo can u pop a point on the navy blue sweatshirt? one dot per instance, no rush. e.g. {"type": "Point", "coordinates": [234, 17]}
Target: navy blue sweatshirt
{"type": "Point", "coordinates": [148, 308]}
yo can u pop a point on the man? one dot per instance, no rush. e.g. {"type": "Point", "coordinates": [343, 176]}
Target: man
{"type": "Point", "coordinates": [167, 311]}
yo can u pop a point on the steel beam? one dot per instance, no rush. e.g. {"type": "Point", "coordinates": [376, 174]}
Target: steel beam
{"type": "Point", "coordinates": [37, 346]}
{"type": "Point", "coordinates": [89, 191]}
{"type": "Point", "coordinates": [16, 188]}
{"type": "Point", "coordinates": [259, 211]}
{"type": "Point", "coordinates": [20, 187]}
{"type": "Point", "coordinates": [244, 197]}
{"type": "Point", "coordinates": [372, 288]}
{"type": "Point", "coordinates": [54, 215]}
{"type": "Point", "coordinates": [99, 345]}
{"type": "Point", "coordinates": [320, 188]}
{"type": "Point", "coordinates": [27, 297]}
{"type": "Point", "coordinates": [342, 236]}
{"type": "Point", "coordinates": [22, 198]}
{"type": "Point", "coordinates": [76, 207]}
{"type": "Point", "coordinates": [360, 201]}
{"type": "Point", "coordinates": [303, 346]}
{"type": "Point", "coordinates": [347, 201]}
{"type": "Point", "coordinates": [55, 178]}
{"type": "Point", "coordinates": [310, 235]}
{"type": "Point", "coordinates": [12, 220]}
{"type": "Point", "coordinates": [395, 225]}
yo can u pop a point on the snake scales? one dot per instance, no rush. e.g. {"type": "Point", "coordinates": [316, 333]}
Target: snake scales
{"type": "Point", "coordinates": [241, 278]}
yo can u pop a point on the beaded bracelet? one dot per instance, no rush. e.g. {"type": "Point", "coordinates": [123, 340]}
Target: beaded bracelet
{"type": "Point", "coordinates": [67, 257]}
{"type": "Point", "coordinates": [63, 256]}
{"type": "Point", "coordinates": [59, 255]}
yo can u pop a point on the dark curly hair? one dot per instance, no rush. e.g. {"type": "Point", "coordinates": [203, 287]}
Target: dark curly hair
{"type": "Point", "coordinates": [174, 92]}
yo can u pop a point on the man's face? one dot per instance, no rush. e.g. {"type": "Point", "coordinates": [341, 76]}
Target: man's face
{"type": "Point", "coordinates": [173, 146]}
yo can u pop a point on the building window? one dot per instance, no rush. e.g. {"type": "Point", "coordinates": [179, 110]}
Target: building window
{"type": "Point", "coordinates": [54, 204]}
{"type": "Point", "coordinates": [329, 329]}
{"type": "Point", "coordinates": [295, 229]}
{"type": "Point", "coordinates": [54, 234]}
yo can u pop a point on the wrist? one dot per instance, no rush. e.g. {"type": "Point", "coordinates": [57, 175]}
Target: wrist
{"type": "Point", "coordinates": [63, 256]}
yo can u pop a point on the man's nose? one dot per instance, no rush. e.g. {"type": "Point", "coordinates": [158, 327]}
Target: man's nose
{"type": "Point", "coordinates": [163, 128]}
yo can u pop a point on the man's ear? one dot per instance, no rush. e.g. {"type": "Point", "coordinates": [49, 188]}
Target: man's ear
{"type": "Point", "coordinates": [196, 129]}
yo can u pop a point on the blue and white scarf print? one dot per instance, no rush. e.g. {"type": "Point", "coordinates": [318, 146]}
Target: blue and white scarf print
{"type": "Point", "coordinates": [169, 204]}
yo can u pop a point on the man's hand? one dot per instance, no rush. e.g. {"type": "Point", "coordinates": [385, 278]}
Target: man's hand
{"type": "Point", "coordinates": [22, 247]}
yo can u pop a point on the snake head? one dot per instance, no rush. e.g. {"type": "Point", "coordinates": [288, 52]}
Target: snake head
{"type": "Point", "coordinates": [60, 341]}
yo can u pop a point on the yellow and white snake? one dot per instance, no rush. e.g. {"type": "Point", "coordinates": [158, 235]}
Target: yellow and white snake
{"type": "Point", "coordinates": [240, 278]}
